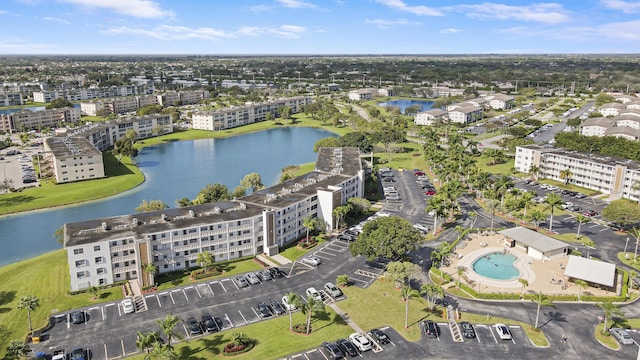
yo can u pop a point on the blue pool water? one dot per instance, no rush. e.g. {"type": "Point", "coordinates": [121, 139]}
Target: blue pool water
{"type": "Point", "coordinates": [496, 266]}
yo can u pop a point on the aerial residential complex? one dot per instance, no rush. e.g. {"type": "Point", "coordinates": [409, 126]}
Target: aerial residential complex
{"type": "Point", "coordinates": [73, 159]}
{"type": "Point", "coordinates": [466, 112]}
{"type": "Point", "coordinates": [370, 93]}
{"type": "Point", "coordinates": [108, 250]}
{"type": "Point", "coordinates": [616, 177]}
{"type": "Point", "coordinates": [132, 103]}
{"type": "Point", "coordinates": [247, 114]}
{"type": "Point", "coordinates": [32, 120]}
{"type": "Point", "coordinates": [91, 93]}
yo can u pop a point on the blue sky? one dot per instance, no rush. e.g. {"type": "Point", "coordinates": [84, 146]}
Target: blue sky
{"type": "Point", "coordinates": [318, 26]}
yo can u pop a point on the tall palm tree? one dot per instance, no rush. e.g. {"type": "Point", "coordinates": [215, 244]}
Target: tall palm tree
{"type": "Point", "coordinates": [309, 308]}
{"type": "Point", "coordinates": [144, 341]}
{"type": "Point", "coordinates": [537, 217]}
{"type": "Point", "coordinates": [407, 294]}
{"type": "Point", "coordinates": [205, 259]}
{"type": "Point", "coordinates": [582, 285]}
{"type": "Point", "coordinates": [553, 201]}
{"type": "Point", "coordinates": [168, 325]}
{"type": "Point", "coordinates": [502, 186]}
{"type": "Point", "coordinates": [581, 219]}
{"type": "Point", "coordinates": [437, 207]}
{"type": "Point", "coordinates": [541, 300]}
{"type": "Point", "coordinates": [534, 170]}
{"type": "Point", "coordinates": [524, 282]}
{"type": "Point", "coordinates": [566, 175]}
{"type": "Point", "coordinates": [309, 223]}
{"type": "Point", "coordinates": [29, 303]}
{"type": "Point", "coordinates": [460, 271]}
{"type": "Point", "coordinates": [432, 292]}
{"type": "Point", "coordinates": [609, 309]}
{"type": "Point", "coordinates": [493, 206]}
{"type": "Point", "coordinates": [635, 232]}
{"type": "Point", "coordinates": [293, 299]}
{"type": "Point", "coordinates": [526, 199]}
{"type": "Point", "coordinates": [149, 269]}
{"type": "Point", "coordinates": [161, 351]}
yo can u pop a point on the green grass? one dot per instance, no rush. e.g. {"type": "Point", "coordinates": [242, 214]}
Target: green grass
{"type": "Point", "coordinates": [121, 177]}
{"type": "Point", "coordinates": [571, 237]}
{"type": "Point", "coordinates": [484, 163]}
{"type": "Point", "coordinates": [536, 336]}
{"type": "Point", "coordinates": [179, 278]}
{"type": "Point", "coordinates": [274, 340]}
{"type": "Point", "coordinates": [606, 339]}
{"type": "Point", "coordinates": [46, 277]}
{"type": "Point", "coordinates": [629, 262]}
{"type": "Point", "coordinates": [411, 158]}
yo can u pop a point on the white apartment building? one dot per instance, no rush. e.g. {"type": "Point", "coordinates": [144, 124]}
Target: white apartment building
{"type": "Point", "coordinates": [108, 250]}
{"type": "Point", "coordinates": [466, 115]}
{"type": "Point", "coordinates": [625, 126]}
{"type": "Point", "coordinates": [362, 94]}
{"type": "Point", "coordinates": [91, 93]}
{"type": "Point", "coordinates": [73, 159]}
{"type": "Point", "coordinates": [32, 120]}
{"type": "Point", "coordinates": [11, 99]}
{"type": "Point", "coordinates": [611, 109]}
{"type": "Point", "coordinates": [246, 114]}
{"type": "Point", "coordinates": [596, 126]}
{"type": "Point", "coordinates": [429, 117]}
{"type": "Point", "coordinates": [608, 175]}
{"type": "Point", "coordinates": [500, 101]}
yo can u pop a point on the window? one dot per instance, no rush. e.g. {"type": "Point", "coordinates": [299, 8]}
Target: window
{"type": "Point", "coordinates": [78, 251]}
{"type": "Point", "coordinates": [101, 271]}
{"type": "Point", "coordinates": [81, 263]}
{"type": "Point", "coordinates": [102, 281]}
{"type": "Point", "coordinates": [96, 248]}
{"type": "Point", "coordinates": [99, 260]}
{"type": "Point", "coordinates": [81, 274]}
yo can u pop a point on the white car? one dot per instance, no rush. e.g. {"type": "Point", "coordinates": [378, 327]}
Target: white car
{"type": "Point", "coordinates": [503, 331]}
{"type": "Point", "coordinates": [360, 341]}
{"type": "Point", "coordinates": [423, 229]}
{"type": "Point", "coordinates": [314, 294]}
{"type": "Point", "coordinates": [622, 335]}
{"type": "Point", "coordinates": [127, 306]}
{"type": "Point", "coordinates": [287, 305]}
{"type": "Point", "coordinates": [311, 260]}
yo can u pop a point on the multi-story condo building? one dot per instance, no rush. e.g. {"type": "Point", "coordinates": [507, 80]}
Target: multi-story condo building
{"type": "Point", "coordinates": [500, 101]}
{"type": "Point", "coordinates": [31, 120]}
{"type": "Point", "coordinates": [466, 114]}
{"type": "Point", "coordinates": [91, 93]}
{"type": "Point", "coordinates": [625, 126]}
{"type": "Point", "coordinates": [247, 114]}
{"type": "Point", "coordinates": [611, 109]}
{"type": "Point", "coordinates": [608, 175]}
{"type": "Point", "coordinates": [370, 93]}
{"type": "Point", "coordinates": [108, 250]}
{"type": "Point", "coordinates": [11, 99]}
{"type": "Point", "coordinates": [429, 117]}
{"type": "Point", "coordinates": [73, 159]}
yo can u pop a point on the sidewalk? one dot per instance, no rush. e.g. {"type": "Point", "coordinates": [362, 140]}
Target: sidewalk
{"type": "Point", "coordinates": [346, 319]}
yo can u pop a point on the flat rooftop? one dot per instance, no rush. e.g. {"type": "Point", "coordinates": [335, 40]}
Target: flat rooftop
{"type": "Point", "coordinates": [62, 147]}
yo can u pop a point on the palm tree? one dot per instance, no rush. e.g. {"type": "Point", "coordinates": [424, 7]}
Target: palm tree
{"type": "Point", "coordinates": [537, 217]}
{"type": "Point", "coordinates": [309, 308]}
{"type": "Point", "coordinates": [502, 186]}
{"type": "Point", "coordinates": [566, 175]}
{"type": "Point", "coordinates": [493, 206]}
{"type": "Point", "coordinates": [29, 303]}
{"type": "Point", "coordinates": [144, 341]}
{"type": "Point", "coordinates": [589, 244]}
{"type": "Point", "coordinates": [205, 258]}
{"type": "Point", "coordinates": [309, 223]}
{"type": "Point", "coordinates": [524, 283]}
{"type": "Point", "coordinates": [407, 294]}
{"type": "Point", "coordinates": [440, 253]}
{"type": "Point", "coordinates": [474, 216]}
{"type": "Point", "coordinates": [581, 219]}
{"type": "Point", "coordinates": [94, 291]}
{"type": "Point", "coordinates": [582, 285]}
{"type": "Point", "coordinates": [460, 271]}
{"type": "Point", "coordinates": [635, 232]}
{"type": "Point", "coordinates": [534, 170]}
{"type": "Point", "coordinates": [609, 309]}
{"type": "Point", "coordinates": [437, 207]}
{"type": "Point", "coordinates": [161, 351]}
{"type": "Point", "coordinates": [526, 199]}
{"type": "Point", "coordinates": [553, 201]}
{"type": "Point", "coordinates": [293, 299]}
{"type": "Point", "coordinates": [432, 292]}
{"type": "Point", "coordinates": [149, 269]}
{"type": "Point", "coordinates": [168, 325]}
{"type": "Point", "coordinates": [541, 300]}
{"type": "Point", "coordinates": [17, 349]}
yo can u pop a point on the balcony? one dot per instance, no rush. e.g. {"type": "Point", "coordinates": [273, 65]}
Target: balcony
{"type": "Point", "coordinates": [120, 248]}
{"type": "Point", "coordinates": [124, 269]}
{"type": "Point", "coordinates": [119, 259]}
{"type": "Point", "coordinates": [187, 247]}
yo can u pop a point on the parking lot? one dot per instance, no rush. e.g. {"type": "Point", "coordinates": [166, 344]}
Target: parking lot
{"type": "Point", "coordinates": [19, 167]}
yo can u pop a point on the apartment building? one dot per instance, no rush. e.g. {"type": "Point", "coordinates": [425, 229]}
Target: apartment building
{"type": "Point", "coordinates": [466, 114]}
{"type": "Point", "coordinates": [625, 126]}
{"type": "Point", "coordinates": [107, 250]}
{"type": "Point", "coordinates": [362, 94]}
{"type": "Point", "coordinates": [613, 176]}
{"type": "Point", "coordinates": [91, 93]}
{"type": "Point", "coordinates": [11, 99]}
{"type": "Point", "coordinates": [246, 114]}
{"type": "Point", "coordinates": [73, 159]}
{"type": "Point", "coordinates": [32, 120]}
{"type": "Point", "coordinates": [500, 101]}
{"type": "Point", "coordinates": [429, 117]}
{"type": "Point", "coordinates": [611, 109]}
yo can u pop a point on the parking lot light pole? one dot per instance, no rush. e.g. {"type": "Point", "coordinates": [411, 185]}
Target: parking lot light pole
{"type": "Point", "coordinates": [625, 245]}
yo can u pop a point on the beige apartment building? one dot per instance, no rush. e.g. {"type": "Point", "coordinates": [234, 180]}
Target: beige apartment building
{"type": "Point", "coordinates": [33, 120]}
{"type": "Point", "coordinates": [73, 159]}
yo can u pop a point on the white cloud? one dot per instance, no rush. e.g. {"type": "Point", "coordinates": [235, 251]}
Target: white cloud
{"type": "Point", "coordinates": [288, 31]}
{"type": "Point", "coordinates": [622, 31]}
{"type": "Point", "coordinates": [49, 18]}
{"type": "Point", "coordinates": [296, 4]}
{"type": "Point", "coordinates": [172, 33]}
{"type": "Point", "coordinates": [624, 6]}
{"type": "Point", "coordinates": [420, 10]}
{"type": "Point", "coordinates": [387, 24]}
{"type": "Point", "coordinates": [136, 8]}
{"type": "Point", "coordinates": [259, 8]}
{"type": "Point", "coordinates": [2, 12]}
{"type": "Point", "coordinates": [548, 13]}
{"type": "Point", "coordinates": [449, 31]}
{"type": "Point", "coordinates": [627, 30]}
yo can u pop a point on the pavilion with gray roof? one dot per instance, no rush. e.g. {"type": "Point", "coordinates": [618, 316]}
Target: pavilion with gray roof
{"type": "Point", "coordinates": [536, 245]}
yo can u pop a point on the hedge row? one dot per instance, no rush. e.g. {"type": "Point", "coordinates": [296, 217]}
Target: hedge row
{"type": "Point", "coordinates": [85, 291]}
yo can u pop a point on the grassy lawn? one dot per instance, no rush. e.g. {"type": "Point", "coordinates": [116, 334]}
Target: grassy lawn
{"type": "Point", "coordinates": [571, 238]}
{"type": "Point", "coordinates": [273, 337]}
{"type": "Point", "coordinates": [485, 164]}
{"type": "Point", "coordinates": [47, 277]}
{"type": "Point", "coordinates": [622, 256]}
{"type": "Point", "coordinates": [606, 339]}
{"type": "Point", "coordinates": [121, 177]}
{"type": "Point", "coordinates": [179, 278]}
{"type": "Point", "coordinates": [411, 158]}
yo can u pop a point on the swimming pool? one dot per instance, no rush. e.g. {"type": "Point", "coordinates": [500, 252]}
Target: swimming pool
{"type": "Point", "coordinates": [497, 266]}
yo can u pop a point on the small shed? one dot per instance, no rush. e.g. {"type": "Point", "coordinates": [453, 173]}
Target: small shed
{"type": "Point", "coordinates": [538, 246]}
{"type": "Point", "coordinates": [597, 273]}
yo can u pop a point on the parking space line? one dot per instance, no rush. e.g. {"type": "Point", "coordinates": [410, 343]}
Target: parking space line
{"type": "Point", "coordinates": [171, 295]}
{"type": "Point", "coordinates": [604, 228]}
{"type": "Point", "coordinates": [185, 294]}
{"type": "Point", "coordinates": [198, 292]}
{"type": "Point", "coordinates": [363, 281]}
{"type": "Point", "coordinates": [243, 318]}
{"type": "Point", "coordinates": [106, 354]}
{"type": "Point", "coordinates": [186, 331]}
{"type": "Point", "coordinates": [102, 310]}
{"type": "Point", "coordinates": [257, 316]}
{"type": "Point", "coordinates": [68, 316]}
{"type": "Point", "coordinates": [492, 334]}
{"type": "Point", "coordinates": [209, 286]}
{"type": "Point", "coordinates": [122, 344]}
{"type": "Point", "coordinates": [229, 320]}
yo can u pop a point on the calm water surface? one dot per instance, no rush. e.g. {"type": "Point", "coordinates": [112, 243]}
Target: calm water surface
{"type": "Point", "coordinates": [173, 171]}
{"type": "Point", "coordinates": [404, 103]}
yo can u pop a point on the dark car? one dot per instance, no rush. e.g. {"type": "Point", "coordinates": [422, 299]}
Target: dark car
{"type": "Point", "coordinates": [78, 354]}
{"type": "Point", "coordinates": [380, 336]}
{"type": "Point", "coordinates": [431, 329]}
{"type": "Point", "coordinates": [264, 275]}
{"type": "Point", "coordinates": [590, 213]}
{"type": "Point", "coordinates": [276, 272]}
{"type": "Point", "coordinates": [418, 173]}
{"type": "Point", "coordinates": [333, 350]}
{"type": "Point", "coordinates": [77, 317]}
{"type": "Point", "coordinates": [194, 326]}
{"type": "Point", "coordinates": [467, 330]}
{"type": "Point", "coordinates": [347, 347]}
{"type": "Point", "coordinates": [276, 307]}
{"type": "Point", "coordinates": [209, 323]}
{"type": "Point", "coordinates": [263, 310]}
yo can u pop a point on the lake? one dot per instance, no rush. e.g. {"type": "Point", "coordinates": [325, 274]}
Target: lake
{"type": "Point", "coordinates": [173, 170]}
{"type": "Point", "coordinates": [403, 104]}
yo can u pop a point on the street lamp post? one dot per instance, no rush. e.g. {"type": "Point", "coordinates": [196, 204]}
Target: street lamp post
{"type": "Point", "coordinates": [625, 245]}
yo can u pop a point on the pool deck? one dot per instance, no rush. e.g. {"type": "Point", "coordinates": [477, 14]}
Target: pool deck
{"type": "Point", "coordinates": [545, 276]}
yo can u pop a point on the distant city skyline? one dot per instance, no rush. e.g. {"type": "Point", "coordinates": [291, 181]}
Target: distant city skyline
{"type": "Point", "coordinates": [322, 27]}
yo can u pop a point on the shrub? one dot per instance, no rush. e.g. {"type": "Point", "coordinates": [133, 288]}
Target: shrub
{"type": "Point", "coordinates": [301, 328]}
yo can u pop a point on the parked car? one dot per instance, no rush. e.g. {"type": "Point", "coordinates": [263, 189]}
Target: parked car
{"type": "Point", "coordinates": [332, 290]}
{"type": "Point", "coordinates": [382, 213]}
{"type": "Point", "coordinates": [314, 294]}
{"type": "Point", "coordinates": [503, 331]}
{"type": "Point", "coordinates": [276, 272]}
{"type": "Point", "coordinates": [580, 195]}
{"type": "Point", "coordinates": [263, 310]}
{"type": "Point", "coordinates": [423, 229]}
{"type": "Point", "coordinates": [380, 336]}
{"type": "Point", "coordinates": [418, 173]}
{"type": "Point", "coordinates": [209, 323]}
{"type": "Point", "coordinates": [574, 208]}
{"type": "Point", "coordinates": [622, 335]}
{"type": "Point", "coordinates": [252, 278]}
{"type": "Point", "coordinates": [347, 347]}
{"type": "Point", "coordinates": [194, 326]}
{"type": "Point", "coordinates": [241, 281]}
{"type": "Point", "coordinates": [311, 260]}
{"type": "Point", "coordinates": [590, 213]}
{"type": "Point", "coordinates": [430, 192]}
{"type": "Point", "coordinates": [431, 329]}
{"type": "Point", "coordinates": [332, 350]}
{"type": "Point", "coordinates": [467, 330]}
{"type": "Point", "coordinates": [567, 205]}
{"type": "Point", "coordinates": [127, 306]}
{"type": "Point", "coordinates": [287, 305]}
{"type": "Point", "coordinates": [264, 275]}
{"type": "Point", "coordinates": [360, 341]}
{"type": "Point", "coordinates": [276, 307]}
{"type": "Point", "coordinates": [77, 317]}
{"type": "Point", "coordinates": [346, 237]}
{"type": "Point", "coordinates": [78, 354]}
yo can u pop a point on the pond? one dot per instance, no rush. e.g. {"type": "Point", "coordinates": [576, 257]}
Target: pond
{"type": "Point", "coordinates": [404, 103]}
{"type": "Point", "coordinates": [173, 170]}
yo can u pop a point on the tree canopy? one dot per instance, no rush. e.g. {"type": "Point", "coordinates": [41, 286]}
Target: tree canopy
{"type": "Point", "coordinates": [606, 145]}
{"type": "Point", "coordinates": [622, 211]}
{"type": "Point", "coordinates": [151, 205]}
{"type": "Point", "coordinates": [389, 237]}
{"type": "Point", "coordinates": [252, 181]}
{"type": "Point", "coordinates": [212, 193]}
{"type": "Point", "coordinates": [59, 103]}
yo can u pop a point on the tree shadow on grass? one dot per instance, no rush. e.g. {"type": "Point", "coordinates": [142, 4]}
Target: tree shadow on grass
{"type": "Point", "coordinates": [105, 294]}
{"type": "Point", "coordinates": [210, 347]}
{"type": "Point", "coordinates": [7, 297]}
{"type": "Point", "coordinates": [16, 200]}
